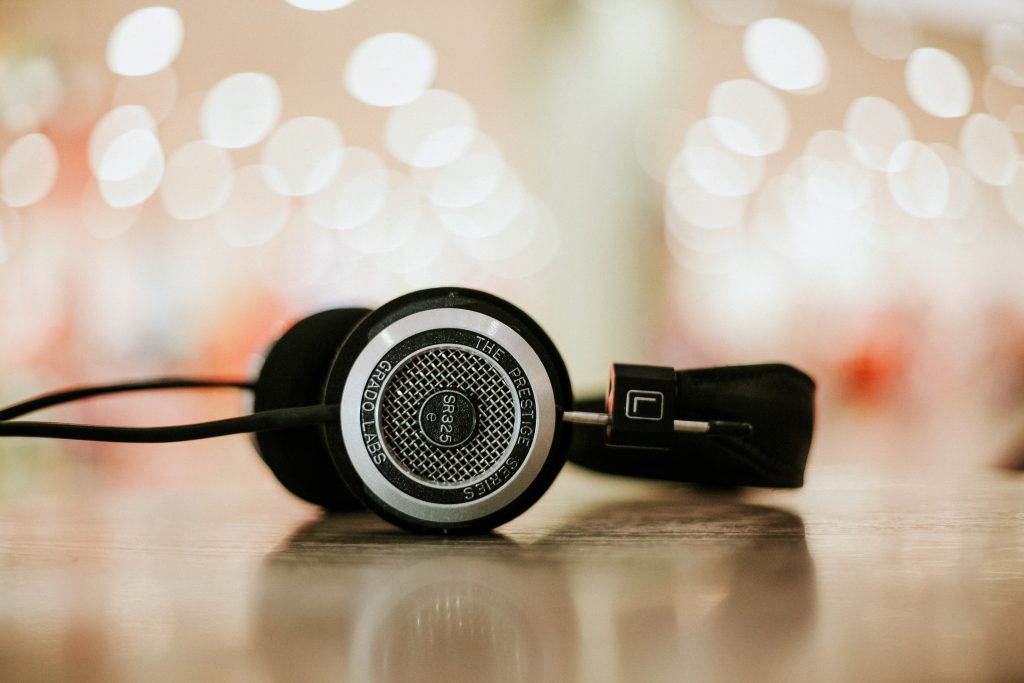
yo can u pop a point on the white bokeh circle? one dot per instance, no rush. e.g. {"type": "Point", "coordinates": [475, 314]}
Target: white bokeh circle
{"type": "Point", "coordinates": [319, 5]}
{"type": "Point", "coordinates": [145, 41]}
{"type": "Point", "coordinates": [28, 170]}
{"type": "Point", "coordinates": [989, 149]}
{"type": "Point", "coordinates": [748, 117]}
{"type": "Point", "coordinates": [716, 169]}
{"type": "Point", "coordinates": [253, 212]}
{"type": "Point", "coordinates": [875, 127]}
{"type": "Point", "coordinates": [918, 179]}
{"type": "Point", "coordinates": [884, 28]}
{"type": "Point", "coordinates": [132, 168]}
{"type": "Point", "coordinates": [785, 55]}
{"type": "Point", "coordinates": [303, 155]}
{"type": "Point", "coordinates": [432, 131]}
{"type": "Point", "coordinates": [938, 83]}
{"type": "Point", "coordinates": [197, 181]}
{"type": "Point", "coordinates": [390, 69]}
{"type": "Point", "coordinates": [240, 110]}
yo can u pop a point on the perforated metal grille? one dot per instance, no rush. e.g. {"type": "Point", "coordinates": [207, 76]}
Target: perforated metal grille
{"type": "Point", "coordinates": [423, 374]}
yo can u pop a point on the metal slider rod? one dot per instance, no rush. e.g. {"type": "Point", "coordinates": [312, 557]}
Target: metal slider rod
{"type": "Point", "coordinates": [723, 427]}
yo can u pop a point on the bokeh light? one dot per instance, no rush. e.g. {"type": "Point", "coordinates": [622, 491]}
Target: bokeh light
{"type": "Point", "coordinates": [131, 168]}
{"type": "Point", "coordinates": [356, 194]}
{"type": "Point", "coordinates": [682, 235]}
{"type": "Point", "coordinates": [537, 244]}
{"type": "Point", "coordinates": [876, 127]}
{"type": "Point", "coordinates": [515, 157]}
{"type": "Point", "coordinates": [938, 83]}
{"type": "Point", "coordinates": [319, 5]}
{"type": "Point", "coordinates": [831, 172]}
{"type": "Point", "coordinates": [748, 118]}
{"type": "Point", "coordinates": [785, 55]}
{"type": "Point", "coordinates": [390, 69]}
{"type": "Point", "coordinates": [918, 179]}
{"type": "Point", "coordinates": [488, 217]}
{"type": "Point", "coordinates": [989, 149]}
{"type": "Point", "coordinates": [114, 124]}
{"type": "Point", "coordinates": [240, 110]}
{"type": "Point", "coordinates": [28, 170]}
{"type": "Point", "coordinates": [31, 92]}
{"type": "Point", "coordinates": [197, 181]}
{"type": "Point", "coordinates": [700, 207]}
{"type": "Point", "coordinates": [127, 154]}
{"type": "Point", "coordinates": [253, 213]}
{"type": "Point", "coordinates": [1003, 94]}
{"type": "Point", "coordinates": [813, 228]}
{"type": "Point", "coordinates": [394, 223]}
{"type": "Point", "coordinates": [516, 231]}
{"type": "Point", "coordinates": [467, 180]}
{"type": "Point", "coordinates": [418, 252]}
{"type": "Point", "coordinates": [303, 155]}
{"type": "Point", "coordinates": [447, 263]}
{"type": "Point", "coordinates": [431, 131]}
{"type": "Point", "coordinates": [884, 28]}
{"type": "Point", "coordinates": [1003, 45]}
{"type": "Point", "coordinates": [701, 251]}
{"type": "Point", "coordinates": [961, 183]}
{"type": "Point", "coordinates": [715, 168]}
{"type": "Point", "coordinates": [145, 41]}
{"type": "Point", "coordinates": [886, 226]}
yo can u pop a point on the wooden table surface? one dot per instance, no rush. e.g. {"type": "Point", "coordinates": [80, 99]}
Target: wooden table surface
{"type": "Point", "coordinates": [858, 576]}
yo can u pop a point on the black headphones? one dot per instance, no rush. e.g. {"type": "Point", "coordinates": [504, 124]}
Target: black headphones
{"type": "Point", "coordinates": [450, 410]}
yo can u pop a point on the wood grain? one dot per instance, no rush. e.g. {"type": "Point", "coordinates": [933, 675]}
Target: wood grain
{"type": "Point", "coordinates": [859, 576]}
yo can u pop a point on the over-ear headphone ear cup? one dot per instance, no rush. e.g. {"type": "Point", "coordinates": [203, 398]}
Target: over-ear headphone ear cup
{"type": "Point", "coordinates": [506, 383]}
{"type": "Point", "coordinates": [294, 374]}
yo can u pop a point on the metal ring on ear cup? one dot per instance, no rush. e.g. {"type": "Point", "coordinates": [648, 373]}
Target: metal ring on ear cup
{"type": "Point", "coordinates": [449, 411]}
{"type": "Point", "coordinates": [294, 374]}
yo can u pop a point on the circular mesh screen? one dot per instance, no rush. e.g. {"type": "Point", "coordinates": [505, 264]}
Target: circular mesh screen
{"type": "Point", "coordinates": [425, 373]}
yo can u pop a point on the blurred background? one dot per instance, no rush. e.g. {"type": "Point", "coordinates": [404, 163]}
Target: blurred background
{"type": "Point", "coordinates": [838, 185]}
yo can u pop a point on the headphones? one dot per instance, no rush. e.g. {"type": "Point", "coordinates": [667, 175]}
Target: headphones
{"type": "Point", "coordinates": [450, 410]}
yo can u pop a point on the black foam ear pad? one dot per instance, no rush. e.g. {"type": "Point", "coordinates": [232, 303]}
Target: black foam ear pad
{"type": "Point", "coordinates": [294, 374]}
{"type": "Point", "coordinates": [777, 399]}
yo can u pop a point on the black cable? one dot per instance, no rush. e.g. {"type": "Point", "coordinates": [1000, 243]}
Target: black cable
{"type": "Point", "coordinates": [66, 396]}
{"type": "Point", "coordinates": [268, 420]}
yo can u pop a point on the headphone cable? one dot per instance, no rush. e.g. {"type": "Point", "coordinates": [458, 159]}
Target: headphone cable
{"type": "Point", "coordinates": [79, 393]}
{"type": "Point", "coordinates": [265, 421]}
{"type": "Point", "coordinates": [268, 420]}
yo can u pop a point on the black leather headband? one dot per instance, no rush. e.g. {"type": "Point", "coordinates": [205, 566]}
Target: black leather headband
{"type": "Point", "coordinates": [777, 399]}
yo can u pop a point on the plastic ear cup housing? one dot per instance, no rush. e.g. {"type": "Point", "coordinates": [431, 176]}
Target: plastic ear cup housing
{"type": "Point", "coordinates": [398, 365]}
{"type": "Point", "coordinates": [292, 375]}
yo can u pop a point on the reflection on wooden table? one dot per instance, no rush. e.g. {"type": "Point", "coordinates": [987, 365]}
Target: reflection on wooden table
{"type": "Point", "coordinates": [853, 578]}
